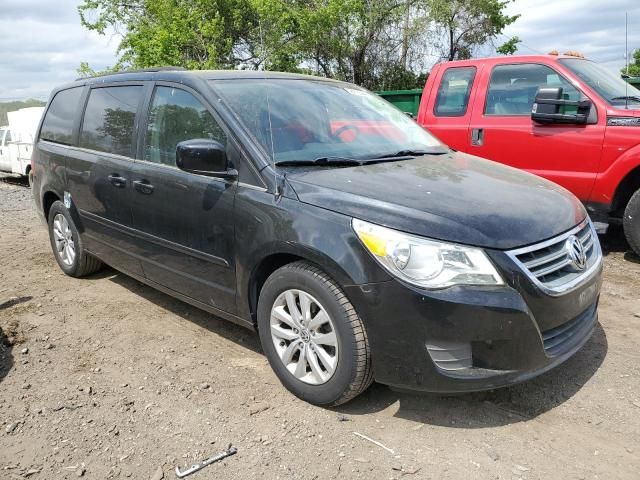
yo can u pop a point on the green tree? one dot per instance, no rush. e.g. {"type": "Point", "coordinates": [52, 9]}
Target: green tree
{"type": "Point", "coordinates": [466, 24]}
{"type": "Point", "coordinates": [84, 70]}
{"type": "Point", "coordinates": [509, 47]}
{"type": "Point", "coordinates": [634, 65]}
{"type": "Point", "coordinates": [374, 43]}
{"type": "Point", "coordinates": [354, 40]}
{"type": "Point", "coordinates": [189, 33]}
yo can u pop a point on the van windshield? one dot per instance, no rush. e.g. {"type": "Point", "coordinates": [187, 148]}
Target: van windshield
{"type": "Point", "coordinates": [300, 120]}
{"type": "Point", "coordinates": [610, 87]}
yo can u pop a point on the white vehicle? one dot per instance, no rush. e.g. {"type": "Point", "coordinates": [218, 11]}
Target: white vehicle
{"type": "Point", "coordinates": [16, 140]}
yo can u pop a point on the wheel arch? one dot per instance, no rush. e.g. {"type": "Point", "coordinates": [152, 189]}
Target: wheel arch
{"type": "Point", "coordinates": [629, 184]}
{"type": "Point", "coordinates": [47, 200]}
{"type": "Point", "coordinates": [276, 259]}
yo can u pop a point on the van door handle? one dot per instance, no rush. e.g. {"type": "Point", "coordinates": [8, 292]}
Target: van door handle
{"type": "Point", "coordinates": [117, 181]}
{"type": "Point", "coordinates": [477, 137]}
{"type": "Point", "coordinates": [143, 186]}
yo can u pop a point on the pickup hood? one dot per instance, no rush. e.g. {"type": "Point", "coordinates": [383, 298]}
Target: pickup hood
{"type": "Point", "coordinates": [454, 197]}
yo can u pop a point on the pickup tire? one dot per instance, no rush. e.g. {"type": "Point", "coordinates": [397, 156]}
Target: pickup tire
{"type": "Point", "coordinates": [631, 222]}
{"type": "Point", "coordinates": [66, 244]}
{"type": "Point", "coordinates": [312, 367]}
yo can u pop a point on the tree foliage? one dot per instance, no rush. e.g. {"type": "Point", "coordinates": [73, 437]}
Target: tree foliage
{"type": "Point", "coordinates": [374, 43]}
{"type": "Point", "coordinates": [466, 24]}
{"type": "Point", "coordinates": [634, 65]}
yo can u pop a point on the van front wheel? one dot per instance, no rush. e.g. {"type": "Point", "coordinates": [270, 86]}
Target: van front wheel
{"type": "Point", "coordinates": [312, 336]}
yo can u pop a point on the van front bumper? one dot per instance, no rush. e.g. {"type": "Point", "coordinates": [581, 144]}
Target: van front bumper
{"type": "Point", "coordinates": [464, 339]}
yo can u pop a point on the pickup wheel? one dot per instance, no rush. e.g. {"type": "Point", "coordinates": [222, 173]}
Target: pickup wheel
{"type": "Point", "coordinates": [312, 336]}
{"type": "Point", "coordinates": [67, 245]}
{"type": "Point", "coordinates": [631, 222]}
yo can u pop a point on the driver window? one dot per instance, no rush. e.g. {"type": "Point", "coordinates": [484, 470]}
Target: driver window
{"type": "Point", "coordinates": [175, 116]}
{"type": "Point", "coordinates": [512, 89]}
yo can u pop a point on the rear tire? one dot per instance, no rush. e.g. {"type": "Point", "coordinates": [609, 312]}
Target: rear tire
{"type": "Point", "coordinates": [631, 222]}
{"type": "Point", "coordinates": [67, 245]}
{"type": "Point", "coordinates": [334, 382]}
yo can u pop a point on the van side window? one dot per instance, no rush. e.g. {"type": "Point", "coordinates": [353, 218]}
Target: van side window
{"type": "Point", "coordinates": [109, 120]}
{"type": "Point", "coordinates": [7, 137]}
{"type": "Point", "coordinates": [57, 125]}
{"type": "Point", "coordinates": [453, 94]}
{"type": "Point", "coordinates": [175, 116]}
{"type": "Point", "coordinates": [512, 88]}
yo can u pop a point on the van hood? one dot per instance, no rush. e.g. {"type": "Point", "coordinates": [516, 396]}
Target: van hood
{"type": "Point", "coordinates": [454, 197]}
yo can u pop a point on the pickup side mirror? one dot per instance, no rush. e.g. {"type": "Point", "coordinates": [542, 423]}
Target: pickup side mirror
{"type": "Point", "coordinates": [547, 108]}
{"type": "Point", "coordinates": [204, 157]}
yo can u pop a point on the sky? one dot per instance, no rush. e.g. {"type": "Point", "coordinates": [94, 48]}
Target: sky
{"type": "Point", "coordinates": [43, 42]}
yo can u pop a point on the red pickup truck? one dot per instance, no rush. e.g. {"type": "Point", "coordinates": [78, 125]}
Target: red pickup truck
{"type": "Point", "coordinates": [564, 118]}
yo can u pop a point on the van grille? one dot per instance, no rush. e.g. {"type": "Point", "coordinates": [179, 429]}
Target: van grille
{"type": "Point", "coordinates": [549, 263]}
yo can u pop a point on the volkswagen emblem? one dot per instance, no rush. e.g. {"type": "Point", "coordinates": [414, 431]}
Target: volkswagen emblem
{"type": "Point", "coordinates": [576, 253]}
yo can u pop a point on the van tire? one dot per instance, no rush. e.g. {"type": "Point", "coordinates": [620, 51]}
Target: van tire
{"type": "Point", "coordinates": [631, 222]}
{"type": "Point", "coordinates": [353, 373]}
{"type": "Point", "coordinates": [83, 263]}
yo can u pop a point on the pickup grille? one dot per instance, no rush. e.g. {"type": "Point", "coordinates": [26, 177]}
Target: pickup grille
{"type": "Point", "coordinates": [549, 264]}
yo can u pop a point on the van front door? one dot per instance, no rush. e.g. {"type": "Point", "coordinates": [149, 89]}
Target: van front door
{"type": "Point", "coordinates": [185, 221]}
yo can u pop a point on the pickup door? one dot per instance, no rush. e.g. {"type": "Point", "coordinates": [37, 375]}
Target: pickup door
{"type": "Point", "coordinates": [447, 104]}
{"type": "Point", "coordinates": [492, 119]}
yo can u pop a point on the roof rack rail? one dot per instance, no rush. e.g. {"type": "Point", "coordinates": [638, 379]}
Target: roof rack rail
{"type": "Point", "coordinates": [168, 68]}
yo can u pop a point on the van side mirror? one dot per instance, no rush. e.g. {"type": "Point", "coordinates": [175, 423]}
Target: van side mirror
{"type": "Point", "coordinates": [204, 157]}
{"type": "Point", "coordinates": [548, 104]}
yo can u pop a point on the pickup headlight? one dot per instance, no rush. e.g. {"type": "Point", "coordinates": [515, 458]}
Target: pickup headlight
{"type": "Point", "coordinates": [426, 263]}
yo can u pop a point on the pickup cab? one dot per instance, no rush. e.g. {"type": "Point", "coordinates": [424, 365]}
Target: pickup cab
{"type": "Point", "coordinates": [564, 118]}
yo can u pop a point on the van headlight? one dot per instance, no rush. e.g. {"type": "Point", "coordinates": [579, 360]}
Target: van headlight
{"type": "Point", "coordinates": [426, 263]}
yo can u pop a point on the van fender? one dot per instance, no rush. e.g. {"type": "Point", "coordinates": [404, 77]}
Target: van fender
{"type": "Point", "coordinates": [301, 232]}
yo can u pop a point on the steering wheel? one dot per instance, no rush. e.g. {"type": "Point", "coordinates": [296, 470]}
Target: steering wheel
{"type": "Point", "coordinates": [346, 128]}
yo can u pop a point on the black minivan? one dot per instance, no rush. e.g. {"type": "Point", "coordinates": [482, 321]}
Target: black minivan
{"type": "Point", "coordinates": [358, 245]}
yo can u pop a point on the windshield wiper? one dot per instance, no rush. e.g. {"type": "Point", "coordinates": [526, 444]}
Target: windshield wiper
{"type": "Point", "coordinates": [322, 161]}
{"type": "Point", "coordinates": [409, 153]}
{"type": "Point", "coordinates": [634, 98]}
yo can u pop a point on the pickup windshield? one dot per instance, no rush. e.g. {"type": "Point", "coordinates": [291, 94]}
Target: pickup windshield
{"type": "Point", "coordinates": [610, 87]}
{"type": "Point", "coordinates": [302, 120]}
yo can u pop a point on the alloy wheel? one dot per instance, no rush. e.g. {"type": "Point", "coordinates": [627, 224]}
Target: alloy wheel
{"type": "Point", "coordinates": [65, 246]}
{"type": "Point", "coordinates": [304, 337]}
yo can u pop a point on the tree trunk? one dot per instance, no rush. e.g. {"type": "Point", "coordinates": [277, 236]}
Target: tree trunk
{"type": "Point", "coordinates": [452, 47]}
{"type": "Point", "coordinates": [405, 37]}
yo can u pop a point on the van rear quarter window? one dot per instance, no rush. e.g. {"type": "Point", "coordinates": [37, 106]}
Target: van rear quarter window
{"type": "Point", "coordinates": [109, 119]}
{"type": "Point", "coordinates": [454, 90]}
{"type": "Point", "coordinates": [58, 121]}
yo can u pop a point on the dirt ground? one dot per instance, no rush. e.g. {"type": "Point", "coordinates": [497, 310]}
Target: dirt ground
{"type": "Point", "coordinates": [107, 378]}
